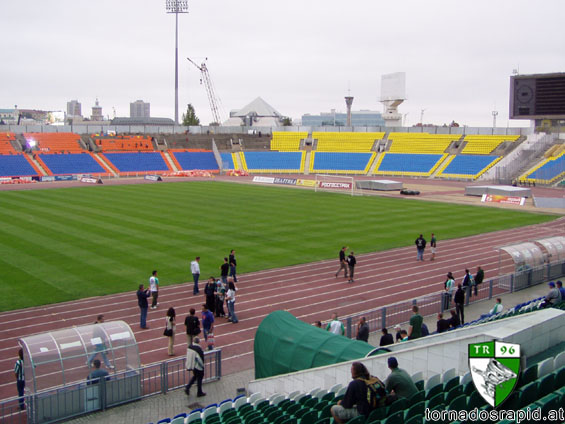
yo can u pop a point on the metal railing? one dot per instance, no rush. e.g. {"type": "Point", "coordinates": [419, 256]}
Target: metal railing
{"type": "Point", "coordinates": [431, 304]}
{"type": "Point", "coordinates": [72, 400]}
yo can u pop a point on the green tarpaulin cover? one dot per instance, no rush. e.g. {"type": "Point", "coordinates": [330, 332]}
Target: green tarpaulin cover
{"type": "Point", "coordinates": [285, 344]}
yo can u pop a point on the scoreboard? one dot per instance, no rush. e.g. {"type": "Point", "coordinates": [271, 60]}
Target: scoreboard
{"type": "Point", "coordinates": [537, 96]}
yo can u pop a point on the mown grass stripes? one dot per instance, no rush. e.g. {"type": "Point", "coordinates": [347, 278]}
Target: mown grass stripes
{"type": "Point", "coordinates": [64, 244]}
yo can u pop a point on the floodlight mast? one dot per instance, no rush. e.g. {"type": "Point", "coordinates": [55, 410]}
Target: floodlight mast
{"type": "Point", "coordinates": [212, 98]}
{"type": "Point", "coordinates": [176, 7]}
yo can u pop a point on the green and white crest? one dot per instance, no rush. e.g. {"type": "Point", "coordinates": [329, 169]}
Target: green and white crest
{"type": "Point", "coordinates": [495, 367]}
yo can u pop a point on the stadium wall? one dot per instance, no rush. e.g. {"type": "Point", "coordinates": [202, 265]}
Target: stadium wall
{"type": "Point", "coordinates": [435, 354]}
{"type": "Point", "coordinates": [155, 129]}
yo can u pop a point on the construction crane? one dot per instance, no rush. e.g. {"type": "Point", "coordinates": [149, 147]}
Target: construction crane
{"type": "Point", "coordinates": [212, 98]}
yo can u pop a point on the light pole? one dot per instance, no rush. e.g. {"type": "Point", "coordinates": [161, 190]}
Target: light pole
{"type": "Point", "coordinates": [176, 7]}
{"type": "Point", "coordinates": [494, 115]}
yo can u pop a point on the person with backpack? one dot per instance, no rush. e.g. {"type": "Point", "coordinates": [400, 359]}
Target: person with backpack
{"type": "Point", "coordinates": [364, 393]}
{"type": "Point", "coordinates": [420, 247]}
{"type": "Point", "coordinates": [192, 326]}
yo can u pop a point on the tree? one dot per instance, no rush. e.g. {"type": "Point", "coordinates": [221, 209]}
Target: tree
{"type": "Point", "coordinates": [286, 122]}
{"type": "Point", "coordinates": [189, 118]}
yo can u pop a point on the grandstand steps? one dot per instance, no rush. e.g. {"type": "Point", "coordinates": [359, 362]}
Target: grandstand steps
{"type": "Point", "coordinates": [238, 163]}
{"type": "Point", "coordinates": [38, 166]}
{"type": "Point", "coordinates": [442, 165]}
{"type": "Point", "coordinates": [170, 161]}
{"type": "Point", "coordinates": [307, 159]}
{"type": "Point", "coordinates": [88, 143]}
{"type": "Point", "coordinates": [105, 164]}
{"type": "Point", "coordinates": [20, 139]}
{"type": "Point", "coordinates": [16, 145]}
{"type": "Point", "coordinates": [375, 163]}
{"type": "Point", "coordinates": [456, 146]}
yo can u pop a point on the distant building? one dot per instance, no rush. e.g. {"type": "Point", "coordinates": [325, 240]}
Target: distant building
{"type": "Point", "coordinates": [258, 113]}
{"type": "Point", "coordinates": [8, 116]}
{"type": "Point", "coordinates": [139, 109]}
{"type": "Point", "coordinates": [360, 118]}
{"type": "Point", "coordinates": [73, 109]}
{"type": "Point", "coordinates": [96, 112]}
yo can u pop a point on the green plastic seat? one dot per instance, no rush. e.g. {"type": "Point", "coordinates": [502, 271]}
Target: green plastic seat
{"type": "Point", "coordinates": [228, 413]}
{"type": "Point", "coordinates": [273, 415]}
{"type": "Point", "coordinates": [254, 420]}
{"type": "Point", "coordinates": [529, 375]}
{"type": "Point", "coordinates": [293, 408]}
{"type": "Point", "coordinates": [320, 405]}
{"type": "Point", "coordinates": [280, 419]}
{"type": "Point", "coordinates": [326, 411]}
{"type": "Point", "coordinates": [434, 391]}
{"type": "Point", "coordinates": [398, 405]}
{"type": "Point", "coordinates": [454, 382]}
{"type": "Point", "coordinates": [453, 393]}
{"type": "Point", "coordinates": [311, 402]}
{"type": "Point", "coordinates": [301, 412]}
{"type": "Point", "coordinates": [309, 418]}
{"type": "Point", "coordinates": [548, 403]}
{"type": "Point", "coordinates": [528, 394]}
{"type": "Point", "coordinates": [304, 399]}
{"type": "Point", "coordinates": [290, 420]}
{"type": "Point", "coordinates": [378, 414]}
{"type": "Point", "coordinates": [328, 396]}
{"type": "Point", "coordinates": [261, 405]}
{"type": "Point", "coordinates": [357, 420]}
{"type": "Point", "coordinates": [417, 419]}
{"type": "Point", "coordinates": [212, 419]}
{"type": "Point", "coordinates": [436, 401]}
{"type": "Point", "coordinates": [415, 409]}
{"type": "Point", "coordinates": [477, 401]}
{"type": "Point", "coordinates": [420, 384]}
{"type": "Point", "coordinates": [283, 404]}
{"type": "Point", "coordinates": [397, 418]}
{"type": "Point", "coordinates": [546, 385]}
{"type": "Point", "coordinates": [469, 388]}
{"type": "Point", "coordinates": [417, 397]}
{"type": "Point", "coordinates": [324, 421]}
{"type": "Point", "coordinates": [232, 420]}
{"type": "Point", "coordinates": [244, 408]}
{"type": "Point", "coordinates": [458, 404]}
{"type": "Point", "coordinates": [559, 377]}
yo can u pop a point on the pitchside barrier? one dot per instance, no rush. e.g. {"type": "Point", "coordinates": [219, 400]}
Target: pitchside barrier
{"type": "Point", "coordinates": [336, 183]}
{"type": "Point", "coordinates": [397, 313]}
{"type": "Point", "coordinates": [72, 400]}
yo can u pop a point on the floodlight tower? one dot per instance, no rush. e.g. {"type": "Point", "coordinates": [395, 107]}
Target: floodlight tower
{"type": "Point", "coordinates": [494, 115]}
{"type": "Point", "coordinates": [176, 7]}
{"type": "Point", "coordinates": [393, 93]}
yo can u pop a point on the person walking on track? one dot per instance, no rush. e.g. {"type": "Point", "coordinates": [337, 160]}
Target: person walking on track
{"type": "Point", "coordinates": [342, 262]}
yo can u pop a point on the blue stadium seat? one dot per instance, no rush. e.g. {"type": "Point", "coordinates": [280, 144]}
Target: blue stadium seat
{"type": "Point", "coordinates": [15, 166]}
{"type": "Point", "coordinates": [227, 158]}
{"type": "Point", "coordinates": [273, 160]}
{"type": "Point", "coordinates": [468, 164]}
{"type": "Point", "coordinates": [76, 163]}
{"type": "Point", "coordinates": [550, 170]}
{"type": "Point", "coordinates": [196, 160]}
{"type": "Point", "coordinates": [137, 162]}
{"type": "Point", "coordinates": [406, 162]}
{"type": "Point", "coordinates": [333, 161]}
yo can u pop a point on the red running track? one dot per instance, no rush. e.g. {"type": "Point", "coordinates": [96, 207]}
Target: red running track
{"type": "Point", "coordinates": [308, 291]}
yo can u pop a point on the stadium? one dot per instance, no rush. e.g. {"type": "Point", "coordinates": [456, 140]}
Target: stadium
{"type": "Point", "coordinates": [90, 207]}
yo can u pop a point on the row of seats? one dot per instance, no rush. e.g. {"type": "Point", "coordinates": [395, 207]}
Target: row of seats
{"type": "Point", "coordinates": [188, 161]}
{"type": "Point", "coordinates": [467, 166]}
{"type": "Point", "coordinates": [137, 162]}
{"type": "Point", "coordinates": [548, 171]}
{"type": "Point", "coordinates": [485, 144]}
{"type": "Point", "coordinates": [16, 165]}
{"type": "Point", "coordinates": [68, 164]}
{"type": "Point", "coordinates": [124, 143]}
{"type": "Point", "coordinates": [6, 147]}
{"type": "Point", "coordinates": [346, 141]}
{"type": "Point", "coordinates": [55, 142]}
{"type": "Point", "coordinates": [539, 386]}
{"type": "Point", "coordinates": [273, 161]}
{"type": "Point", "coordinates": [408, 164]}
{"type": "Point", "coordinates": [420, 142]}
{"type": "Point", "coordinates": [341, 162]}
{"type": "Point", "coordinates": [287, 141]}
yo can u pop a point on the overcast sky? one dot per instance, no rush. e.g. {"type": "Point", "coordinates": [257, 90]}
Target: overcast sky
{"type": "Point", "coordinates": [299, 56]}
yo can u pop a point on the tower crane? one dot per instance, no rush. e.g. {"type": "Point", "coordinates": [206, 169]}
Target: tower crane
{"type": "Point", "coordinates": [212, 98]}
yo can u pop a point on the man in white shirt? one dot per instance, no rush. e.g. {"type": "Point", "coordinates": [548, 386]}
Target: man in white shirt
{"type": "Point", "coordinates": [335, 326]}
{"type": "Point", "coordinates": [195, 269]}
{"type": "Point", "coordinates": [154, 287]}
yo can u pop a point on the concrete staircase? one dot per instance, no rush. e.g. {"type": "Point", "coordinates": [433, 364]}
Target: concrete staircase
{"type": "Point", "coordinates": [170, 161]}
{"type": "Point", "coordinates": [105, 164]}
{"type": "Point", "coordinates": [37, 164]}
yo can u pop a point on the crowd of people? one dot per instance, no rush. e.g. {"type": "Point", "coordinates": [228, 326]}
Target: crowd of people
{"type": "Point", "coordinates": [217, 293]}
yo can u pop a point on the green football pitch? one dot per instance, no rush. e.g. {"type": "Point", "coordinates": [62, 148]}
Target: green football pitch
{"type": "Point", "coordinates": [63, 244]}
